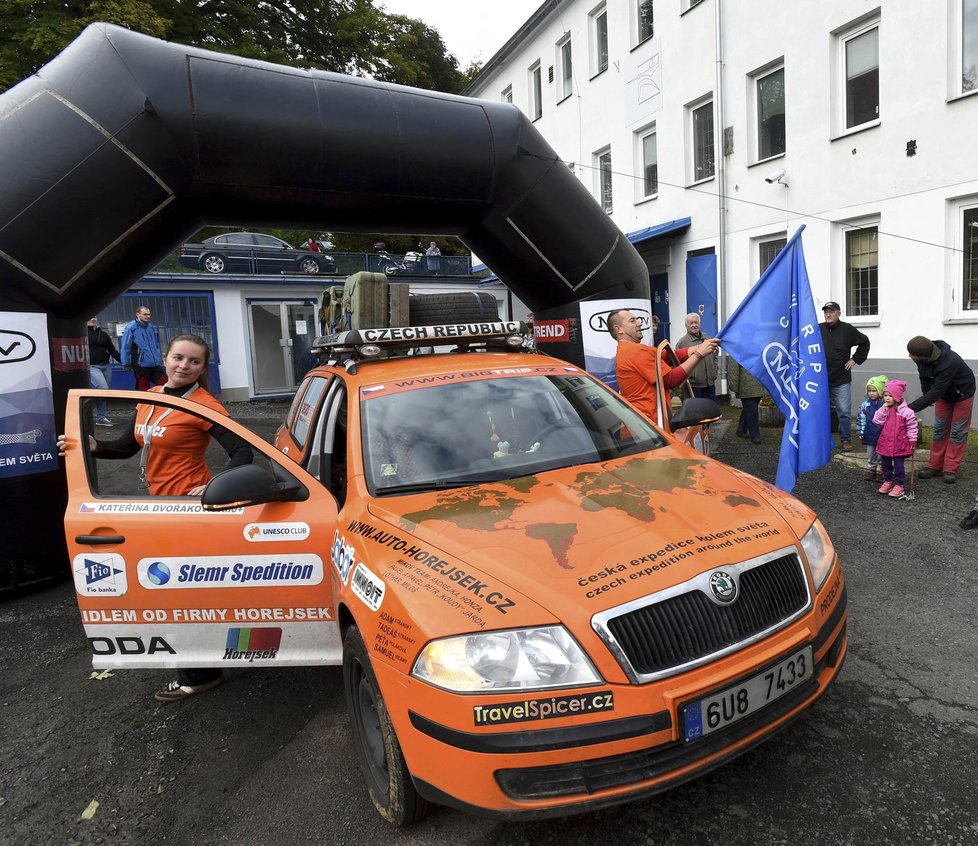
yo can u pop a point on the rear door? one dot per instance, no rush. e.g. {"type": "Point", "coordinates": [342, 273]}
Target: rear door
{"type": "Point", "coordinates": [698, 437]}
{"type": "Point", "coordinates": [161, 583]}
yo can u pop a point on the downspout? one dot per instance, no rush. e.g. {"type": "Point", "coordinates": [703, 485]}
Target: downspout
{"type": "Point", "coordinates": [721, 189]}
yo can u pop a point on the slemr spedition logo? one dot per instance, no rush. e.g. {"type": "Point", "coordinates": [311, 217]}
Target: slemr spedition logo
{"type": "Point", "coordinates": [230, 571]}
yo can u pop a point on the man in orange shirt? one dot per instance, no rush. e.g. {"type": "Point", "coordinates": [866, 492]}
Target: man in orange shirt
{"type": "Point", "coordinates": [635, 362]}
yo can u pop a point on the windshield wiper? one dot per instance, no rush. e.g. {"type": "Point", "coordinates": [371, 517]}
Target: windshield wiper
{"type": "Point", "coordinates": [432, 485]}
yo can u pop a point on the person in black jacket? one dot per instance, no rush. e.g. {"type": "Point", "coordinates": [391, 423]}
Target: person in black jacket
{"type": "Point", "coordinates": [838, 339]}
{"type": "Point", "coordinates": [101, 351]}
{"type": "Point", "coordinates": [949, 385]}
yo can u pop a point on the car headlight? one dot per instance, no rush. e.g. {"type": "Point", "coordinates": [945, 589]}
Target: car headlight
{"type": "Point", "coordinates": [819, 552]}
{"type": "Point", "coordinates": [522, 659]}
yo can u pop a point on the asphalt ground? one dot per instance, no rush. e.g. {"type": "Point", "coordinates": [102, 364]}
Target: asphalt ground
{"type": "Point", "coordinates": [888, 756]}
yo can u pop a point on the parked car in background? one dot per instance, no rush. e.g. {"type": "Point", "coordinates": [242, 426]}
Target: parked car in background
{"type": "Point", "coordinates": [252, 252]}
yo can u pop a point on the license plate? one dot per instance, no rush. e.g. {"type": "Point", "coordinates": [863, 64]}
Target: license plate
{"type": "Point", "coordinates": [719, 710]}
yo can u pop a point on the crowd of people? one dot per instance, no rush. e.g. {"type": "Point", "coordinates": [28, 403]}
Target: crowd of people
{"type": "Point", "coordinates": [886, 423]}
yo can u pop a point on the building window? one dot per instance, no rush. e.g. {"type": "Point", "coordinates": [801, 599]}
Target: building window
{"type": "Point", "coordinates": [969, 45]}
{"type": "Point", "coordinates": [862, 77]}
{"type": "Point", "coordinates": [770, 114]}
{"type": "Point", "coordinates": [644, 20]}
{"type": "Point", "coordinates": [536, 91]}
{"type": "Point", "coordinates": [649, 163]}
{"type": "Point", "coordinates": [701, 137]}
{"type": "Point", "coordinates": [508, 94]}
{"type": "Point", "coordinates": [565, 65]}
{"type": "Point", "coordinates": [767, 251]}
{"type": "Point", "coordinates": [969, 298]}
{"type": "Point", "coordinates": [602, 162]}
{"type": "Point", "coordinates": [862, 272]}
{"type": "Point", "coordinates": [599, 40]}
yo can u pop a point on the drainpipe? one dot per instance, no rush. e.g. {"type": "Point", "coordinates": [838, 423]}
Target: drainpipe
{"type": "Point", "coordinates": [721, 188]}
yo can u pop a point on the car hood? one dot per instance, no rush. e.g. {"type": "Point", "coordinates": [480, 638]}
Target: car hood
{"type": "Point", "coordinates": [600, 535]}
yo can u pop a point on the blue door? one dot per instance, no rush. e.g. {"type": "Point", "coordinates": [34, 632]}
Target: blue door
{"type": "Point", "coordinates": [701, 289]}
{"type": "Point", "coordinates": [660, 304]}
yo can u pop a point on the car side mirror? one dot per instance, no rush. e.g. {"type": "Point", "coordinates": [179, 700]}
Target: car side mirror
{"type": "Point", "coordinates": [250, 484]}
{"type": "Point", "coordinates": [695, 412]}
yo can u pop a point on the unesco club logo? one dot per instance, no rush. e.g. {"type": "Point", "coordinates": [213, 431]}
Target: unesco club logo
{"type": "Point", "coordinates": [158, 573]}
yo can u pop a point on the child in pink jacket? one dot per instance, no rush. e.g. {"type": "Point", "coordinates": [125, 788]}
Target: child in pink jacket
{"type": "Point", "coordinates": [898, 436]}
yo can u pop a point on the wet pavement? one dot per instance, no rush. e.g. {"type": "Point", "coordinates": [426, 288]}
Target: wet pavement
{"type": "Point", "coordinates": [887, 757]}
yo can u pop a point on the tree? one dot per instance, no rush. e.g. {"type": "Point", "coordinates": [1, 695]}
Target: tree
{"type": "Point", "coordinates": [343, 36]}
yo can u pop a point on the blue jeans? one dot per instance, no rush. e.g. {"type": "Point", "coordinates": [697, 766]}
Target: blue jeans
{"type": "Point", "coordinates": [842, 397]}
{"type": "Point", "coordinates": [100, 377]}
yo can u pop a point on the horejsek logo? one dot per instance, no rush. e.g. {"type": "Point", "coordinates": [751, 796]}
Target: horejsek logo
{"type": "Point", "coordinates": [543, 709]}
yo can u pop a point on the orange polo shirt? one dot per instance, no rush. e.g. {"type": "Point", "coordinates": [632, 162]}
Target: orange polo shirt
{"type": "Point", "coordinates": [175, 463]}
{"type": "Point", "coordinates": [635, 369]}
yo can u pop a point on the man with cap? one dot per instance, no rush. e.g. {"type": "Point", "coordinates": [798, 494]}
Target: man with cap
{"type": "Point", "coordinates": [838, 339]}
{"type": "Point", "coordinates": [949, 385]}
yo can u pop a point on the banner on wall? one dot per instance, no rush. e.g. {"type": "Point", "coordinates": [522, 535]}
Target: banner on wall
{"type": "Point", "coordinates": [600, 348]}
{"type": "Point", "coordinates": [27, 428]}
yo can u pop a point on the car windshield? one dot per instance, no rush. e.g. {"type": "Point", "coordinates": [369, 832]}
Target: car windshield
{"type": "Point", "coordinates": [473, 432]}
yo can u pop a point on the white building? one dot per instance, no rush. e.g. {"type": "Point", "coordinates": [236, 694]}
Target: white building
{"type": "Point", "coordinates": [745, 119]}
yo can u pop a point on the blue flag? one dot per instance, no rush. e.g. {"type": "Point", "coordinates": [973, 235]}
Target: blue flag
{"type": "Point", "coordinates": [774, 333]}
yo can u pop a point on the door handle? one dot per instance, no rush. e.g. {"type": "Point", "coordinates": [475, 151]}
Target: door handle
{"type": "Point", "coordinates": [99, 540]}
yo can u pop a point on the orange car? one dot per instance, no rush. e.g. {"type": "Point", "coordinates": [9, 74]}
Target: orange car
{"type": "Point", "coordinates": [543, 603]}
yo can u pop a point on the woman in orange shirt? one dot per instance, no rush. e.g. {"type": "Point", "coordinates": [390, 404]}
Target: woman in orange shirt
{"type": "Point", "coordinates": [173, 444]}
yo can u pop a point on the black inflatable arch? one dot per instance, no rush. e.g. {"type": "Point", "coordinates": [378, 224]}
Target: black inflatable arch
{"type": "Point", "coordinates": [125, 145]}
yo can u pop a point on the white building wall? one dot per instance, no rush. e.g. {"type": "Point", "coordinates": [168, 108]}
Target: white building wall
{"type": "Point", "coordinates": [834, 178]}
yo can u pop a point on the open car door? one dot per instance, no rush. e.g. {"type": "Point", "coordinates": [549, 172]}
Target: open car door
{"type": "Point", "coordinates": [162, 582]}
{"type": "Point", "coordinates": [671, 402]}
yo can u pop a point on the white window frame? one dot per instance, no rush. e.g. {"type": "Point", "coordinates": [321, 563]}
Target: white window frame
{"type": "Point", "coordinates": [843, 228]}
{"type": "Point", "coordinates": [605, 199]}
{"type": "Point", "coordinates": [593, 27]}
{"type": "Point", "coordinates": [691, 109]}
{"type": "Point", "coordinates": [507, 95]}
{"type": "Point", "coordinates": [955, 309]}
{"type": "Point", "coordinates": [753, 110]}
{"type": "Point", "coordinates": [841, 38]}
{"type": "Point", "coordinates": [564, 68]}
{"type": "Point", "coordinates": [956, 32]}
{"type": "Point", "coordinates": [640, 135]}
{"type": "Point", "coordinates": [757, 244]}
{"type": "Point", "coordinates": [534, 89]}
{"type": "Point", "coordinates": [636, 20]}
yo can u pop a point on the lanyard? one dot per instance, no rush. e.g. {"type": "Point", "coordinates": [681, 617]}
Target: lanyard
{"type": "Point", "coordinates": [148, 428]}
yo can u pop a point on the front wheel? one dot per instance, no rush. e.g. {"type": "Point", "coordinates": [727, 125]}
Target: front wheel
{"type": "Point", "coordinates": [213, 263]}
{"type": "Point", "coordinates": [309, 265]}
{"type": "Point", "coordinates": [381, 760]}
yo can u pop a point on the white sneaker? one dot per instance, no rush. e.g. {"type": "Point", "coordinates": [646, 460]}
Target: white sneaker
{"type": "Point", "coordinates": [104, 421]}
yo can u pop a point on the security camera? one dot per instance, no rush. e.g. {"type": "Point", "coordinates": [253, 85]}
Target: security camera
{"type": "Point", "coordinates": [777, 176]}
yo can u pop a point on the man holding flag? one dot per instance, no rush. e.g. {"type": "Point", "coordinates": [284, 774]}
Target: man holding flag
{"type": "Point", "coordinates": [774, 333]}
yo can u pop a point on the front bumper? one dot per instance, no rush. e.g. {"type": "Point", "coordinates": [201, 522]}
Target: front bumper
{"type": "Point", "coordinates": [578, 785]}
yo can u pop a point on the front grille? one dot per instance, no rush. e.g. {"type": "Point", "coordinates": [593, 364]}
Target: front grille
{"type": "Point", "coordinates": [682, 629]}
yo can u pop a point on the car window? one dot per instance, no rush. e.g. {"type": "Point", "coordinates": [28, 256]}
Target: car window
{"type": "Point", "coordinates": [241, 239]}
{"type": "Point", "coordinates": [114, 470]}
{"type": "Point", "coordinates": [494, 429]}
{"type": "Point", "coordinates": [305, 413]}
{"type": "Point", "coordinates": [269, 241]}
{"type": "Point", "coordinates": [221, 239]}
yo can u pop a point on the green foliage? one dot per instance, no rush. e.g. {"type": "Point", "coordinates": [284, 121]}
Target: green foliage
{"type": "Point", "coordinates": [343, 36]}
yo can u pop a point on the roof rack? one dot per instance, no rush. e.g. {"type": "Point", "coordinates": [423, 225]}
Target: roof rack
{"type": "Point", "coordinates": [358, 344]}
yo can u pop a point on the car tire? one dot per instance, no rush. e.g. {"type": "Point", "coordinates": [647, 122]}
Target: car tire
{"type": "Point", "coordinates": [213, 263]}
{"type": "Point", "coordinates": [309, 265]}
{"type": "Point", "coordinates": [384, 769]}
{"type": "Point", "coordinates": [461, 307]}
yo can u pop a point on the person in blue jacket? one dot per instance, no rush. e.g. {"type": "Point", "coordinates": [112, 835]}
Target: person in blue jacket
{"type": "Point", "coordinates": [868, 431]}
{"type": "Point", "coordinates": [141, 351]}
